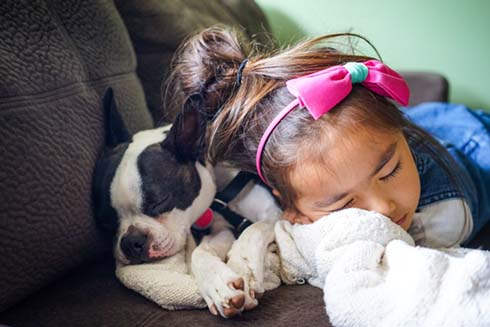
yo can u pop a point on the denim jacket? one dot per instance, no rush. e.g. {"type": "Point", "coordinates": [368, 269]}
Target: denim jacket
{"type": "Point", "coordinates": [466, 136]}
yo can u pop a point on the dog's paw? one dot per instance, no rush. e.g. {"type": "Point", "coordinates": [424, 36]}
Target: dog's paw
{"type": "Point", "coordinates": [251, 257]}
{"type": "Point", "coordinates": [259, 272]}
{"type": "Point", "coordinates": [223, 291]}
{"type": "Point", "coordinates": [253, 276]}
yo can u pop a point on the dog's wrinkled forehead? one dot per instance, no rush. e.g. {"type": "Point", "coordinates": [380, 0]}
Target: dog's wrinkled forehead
{"type": "Point", "coordinates": [166, 183]}
{"type": "Point", "coordinates": [150, 180]}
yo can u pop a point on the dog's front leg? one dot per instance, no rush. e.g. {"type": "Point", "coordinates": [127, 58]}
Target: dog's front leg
{"type": "Point", "coordinates": [251, 258]}
{"type": "Point", "coordinates": [220, 286]}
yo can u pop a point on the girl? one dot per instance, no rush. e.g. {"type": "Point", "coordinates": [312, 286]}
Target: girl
{"type": "Point", "coordinates": [320, 127]}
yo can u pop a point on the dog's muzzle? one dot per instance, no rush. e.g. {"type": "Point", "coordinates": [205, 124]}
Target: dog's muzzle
{"type": "Point", "coordinates": [140, 246]}
{"type": "Point", "coordinates": [134, 245]}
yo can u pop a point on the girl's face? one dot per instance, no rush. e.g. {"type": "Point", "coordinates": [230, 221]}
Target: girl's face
{"type": "Point", "coordinates": [369, 170]}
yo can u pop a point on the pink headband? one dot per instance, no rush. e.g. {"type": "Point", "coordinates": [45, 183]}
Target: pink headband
{"type": "Point", "coordinates": [322, 91]}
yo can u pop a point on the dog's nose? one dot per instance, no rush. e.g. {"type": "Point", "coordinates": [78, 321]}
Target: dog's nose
{"type": "Point", "coordinates": [133, 244]}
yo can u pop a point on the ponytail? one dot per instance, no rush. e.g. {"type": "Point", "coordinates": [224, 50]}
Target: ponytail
{"type": "Point", "coordinates": [206, 63]}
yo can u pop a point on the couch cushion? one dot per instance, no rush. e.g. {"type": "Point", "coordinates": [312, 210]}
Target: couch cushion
{"type": "Point", "coordinates": [426, 87]}
{"type": "Point", "coordinates": [56, 59]}
{"type": "Point", "coordinates": [157, 27]}
{"type": "Point", "coordinates": [92, 296]}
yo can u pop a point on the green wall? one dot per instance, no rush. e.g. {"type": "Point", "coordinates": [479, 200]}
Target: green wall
{"type": "Point", "coordinates": [451, 37]}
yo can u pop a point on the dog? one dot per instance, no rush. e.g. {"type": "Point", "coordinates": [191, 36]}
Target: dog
{"type": "Point", "coordinates": [149, 190]}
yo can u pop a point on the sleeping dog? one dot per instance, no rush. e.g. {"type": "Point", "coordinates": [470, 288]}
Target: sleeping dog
{"type": "Point", "coordinates": [151, 187]}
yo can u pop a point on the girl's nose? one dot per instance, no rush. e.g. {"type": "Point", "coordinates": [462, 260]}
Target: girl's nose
{"type": "Point", "coordinates": [382, 204]}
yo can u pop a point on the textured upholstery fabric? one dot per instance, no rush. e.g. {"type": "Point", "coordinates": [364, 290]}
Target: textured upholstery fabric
{"type": "Point", "coordinates": [146, 21]}
{"type": "Point", "coordinates": [93, 297]}
{"type": "Point", "coordinates": [56, 59]}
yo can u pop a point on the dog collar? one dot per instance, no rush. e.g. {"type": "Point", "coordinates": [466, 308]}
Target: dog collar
{"type": "Point", "coordinates": [205, 220]}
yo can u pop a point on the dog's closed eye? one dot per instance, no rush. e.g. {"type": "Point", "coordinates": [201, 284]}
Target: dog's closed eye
{"type": "Point", "coordinates": [162, 205]}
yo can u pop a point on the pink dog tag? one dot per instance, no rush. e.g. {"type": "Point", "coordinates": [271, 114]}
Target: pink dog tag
{"type": "Point", "coordinates": [205, 220]}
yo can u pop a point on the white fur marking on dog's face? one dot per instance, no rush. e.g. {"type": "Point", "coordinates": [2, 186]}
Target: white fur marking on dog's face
{"type": "Point", "coordinates": [126, 194]}
{"type": "Point", "coordinates": [206, 194]}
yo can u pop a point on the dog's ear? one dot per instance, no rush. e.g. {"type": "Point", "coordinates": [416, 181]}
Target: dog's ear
{"type": "Point", "coordinates": [186, 138]}
{"type": "Point", "coordinates": [116, 131]}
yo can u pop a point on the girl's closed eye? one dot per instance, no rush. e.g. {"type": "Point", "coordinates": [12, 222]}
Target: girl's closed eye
{"type": "Point", "coordinates": [345, 206]}
{"type": "Point", "coordinates": [388, 177]}
{"type": "Point", "coordinates": [393, 173]}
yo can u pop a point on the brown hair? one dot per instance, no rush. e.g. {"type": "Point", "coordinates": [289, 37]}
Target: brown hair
{"type": "Point", "coordinates": [208, 63]}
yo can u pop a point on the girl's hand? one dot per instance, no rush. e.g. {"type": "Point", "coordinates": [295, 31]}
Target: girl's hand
{"type": "Point", "coordinates": [295, 217]}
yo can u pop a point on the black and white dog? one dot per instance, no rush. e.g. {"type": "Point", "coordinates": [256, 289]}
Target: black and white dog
{"type": "Point", "coordinates": [151, 187]}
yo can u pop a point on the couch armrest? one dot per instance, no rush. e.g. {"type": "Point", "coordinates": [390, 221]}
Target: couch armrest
{"type": "Point", "coordinates": [425, 87]}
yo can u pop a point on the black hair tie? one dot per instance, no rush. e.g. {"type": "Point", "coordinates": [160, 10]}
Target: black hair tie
{"type": "Point", "coordinates": [239, 72]}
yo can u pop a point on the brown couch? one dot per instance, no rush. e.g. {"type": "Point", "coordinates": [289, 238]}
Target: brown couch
{"type": "Point", "coordinates": [56, 59]}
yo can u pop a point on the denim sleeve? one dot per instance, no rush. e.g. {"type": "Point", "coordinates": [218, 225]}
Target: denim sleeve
{"type": "Point", "coordinates": [465, 134]}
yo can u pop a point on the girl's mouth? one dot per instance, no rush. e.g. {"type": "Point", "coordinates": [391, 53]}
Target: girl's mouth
{"type": "Point", "coordinates": [402, 220]}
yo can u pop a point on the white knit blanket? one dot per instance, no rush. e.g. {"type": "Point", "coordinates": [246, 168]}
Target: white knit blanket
{"type": "Point", "coordinates": [170, 283]}
{"type": "Point", "coordinates": [167, 282]}
{"type": "Point", "coordinates": [373, 275]}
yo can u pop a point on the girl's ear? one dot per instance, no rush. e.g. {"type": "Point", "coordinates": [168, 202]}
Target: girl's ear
{"type": "Point", "coordinates": [295, 217]}
{"type": "Point", "coordinates": [290, 215]}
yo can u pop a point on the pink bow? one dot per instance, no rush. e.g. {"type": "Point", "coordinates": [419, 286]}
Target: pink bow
{"type": "Point", "coordinates": [321, 91]}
